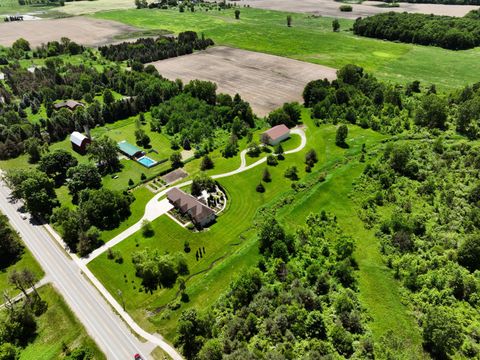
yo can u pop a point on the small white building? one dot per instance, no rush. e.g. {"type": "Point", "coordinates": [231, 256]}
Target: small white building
{"type": "Point", "coordinates": [277, 134]}
{"type": "Point", "coordinates": [2, 76]}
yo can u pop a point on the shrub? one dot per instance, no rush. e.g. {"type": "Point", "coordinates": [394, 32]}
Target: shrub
{"type": "Point", "coordinates": [291, 173]}
{"type": "Point", "coordinates": [345, 8]}
{"type": "Point", "coordinates": [260, 188]}
{"type": "Point", "coordinates": [272, 160]}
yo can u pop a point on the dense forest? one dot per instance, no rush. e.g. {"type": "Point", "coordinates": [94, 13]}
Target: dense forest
{"type": "Point", "coordinates": [299, 302]}
{"type": "Point", "coordinates": [423, 199]}
{"type": "Point", "coordinates": [146, 50]}
{"type": "Point", "coordinates": [443, 31]}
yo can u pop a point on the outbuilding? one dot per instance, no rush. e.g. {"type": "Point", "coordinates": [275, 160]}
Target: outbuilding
{"type": "Point", "coordinates": [130, 150]}
{"type": "Point", "coordinates": [79, 142]}
{"type": "Point", "coordinates": [276, 134]}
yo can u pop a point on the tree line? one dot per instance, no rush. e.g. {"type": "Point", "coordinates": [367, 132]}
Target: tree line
{"type": "Point", "coordinates": [146, 50]}
{"type": "Point", "coordinates": [444, 31]}
{"type": "Point", "coordinates": [359, 98]}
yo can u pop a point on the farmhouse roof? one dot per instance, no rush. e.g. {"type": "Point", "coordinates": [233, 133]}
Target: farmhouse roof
{"type": "Point", "coordinates": [186, 202]}
{"type": "Point", "coordinates": [71, 104]}
{"type": "Point", "coordinates": [77, 138]}
{"type": "Point", "coordinates": [129, 149]}
{"type": "Point", "coordinates": [277, 131]}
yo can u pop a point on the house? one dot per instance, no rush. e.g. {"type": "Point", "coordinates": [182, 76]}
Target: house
{"type": "Point", "coordinates": [79, 142]}
{"type": "Point", "coordinates": [69, 104]}
{"type": "Point", "coordinates": [2, 76]}
{"type": "Point", "coordinates": [276, 134]}
{"type": "Point", "coordinates": [130, 150]}
{"type": "Point", "coordinates": [200, 214]}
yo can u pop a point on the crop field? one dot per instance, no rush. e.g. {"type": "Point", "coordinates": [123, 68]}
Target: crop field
{"type": "Point", "coordinates": [83, 30]}
{"type": "Point", "coordinates": [265, 81]}
{"type": "Point", "coordinates": [311, 39]}
{"type": "Point", "coordinates": [231, 245]}
{"type": "Point", "coordinates": [362, 9]}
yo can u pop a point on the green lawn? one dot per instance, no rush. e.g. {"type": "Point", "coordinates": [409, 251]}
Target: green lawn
{"type": "Point", "coordinates": [56, 326]}
{"type": "Point", "coordinates": [230, 243]}
{"type": "Point", "coordinates": [312, 39]}
{"type": "Point", "coordinates": [27, 261]}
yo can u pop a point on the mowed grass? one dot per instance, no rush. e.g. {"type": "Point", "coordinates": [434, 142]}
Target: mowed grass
{"type": "Point", "coordinates": [312, 39]}
{"type": "Point", "coordinates": [27, 261]}
{"type": "Point", "coordinates": [231, 246]}
{"type": "Point", "coordinates": [56, 326]}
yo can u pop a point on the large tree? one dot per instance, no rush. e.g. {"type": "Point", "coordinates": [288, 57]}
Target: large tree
{"type": "Point", "coordinates": [83, 176]}
{"type": "Point", "coordinates": [56, 165]}
{"type": "Point", "coordinates": [432, 112]}
{"type": "Point", "coordinates": [104, 152]}
{"type": "Point", "coordinates": [104, 208]}
{"type": "Point", "coordinates": [35, 188]}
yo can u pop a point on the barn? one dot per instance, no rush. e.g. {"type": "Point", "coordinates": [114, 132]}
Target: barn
{"type": "Point", "coordinates": [79, 142]}
{"type": "Point", "coordinates": [276, 134]}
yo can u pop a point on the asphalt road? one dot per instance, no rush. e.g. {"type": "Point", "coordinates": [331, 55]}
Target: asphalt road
{"type": "Point", "coordinates": [103, 325]}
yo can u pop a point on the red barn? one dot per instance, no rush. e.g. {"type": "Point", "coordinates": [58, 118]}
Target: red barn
{"type": "Point", "coordinates": [79, 142]}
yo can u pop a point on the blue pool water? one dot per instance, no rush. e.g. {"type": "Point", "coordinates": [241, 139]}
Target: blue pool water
{"type": "Point", "coordinates": [146, 161]}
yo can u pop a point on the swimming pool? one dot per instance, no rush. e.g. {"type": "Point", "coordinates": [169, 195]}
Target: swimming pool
{"type": "Point", "coordinates": [147, 162]}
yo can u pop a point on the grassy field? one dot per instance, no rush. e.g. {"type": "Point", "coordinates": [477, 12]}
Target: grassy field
{"type": "Point", "coordinates": [27, 261]}
{"type": "Point", "coordinates": [312, 39]}
{"type": "Point", "coordinates": [11, 7]}
{"type": "Point", "coordinates": [56, 326]}
{"type": "Point", "coordinates": [230, 244]}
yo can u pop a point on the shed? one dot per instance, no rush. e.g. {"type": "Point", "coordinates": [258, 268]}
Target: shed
{"type": "Point", "coordinates": [130, 150]}
{"type": "Point", "coordinates": [277, 134]}
{"type": "Point", "coordinates": [79, 142]}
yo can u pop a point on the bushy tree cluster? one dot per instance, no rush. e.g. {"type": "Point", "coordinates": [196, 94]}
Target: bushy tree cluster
{"type": "Point", "coordinates": [157, 270]}
{"type": "Point", "coordinates": [299, 302]}
{"type": "Point", "coordinates": [146, 50]}
{"type": "Point", "coordinates": [196, 116]}
{"type": "Point", "coordinates": [203, 182]}
{"type": "Point", "coordinates": [423, 197]}
{"type": "Point", "coordinates": [100, 209]}
{"type": "Point", "coordinates": [444, 31]}
{"type": "Point", "coordinates": [54, 48]}
{"type": "Point", "coordinates": [10, 246]}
